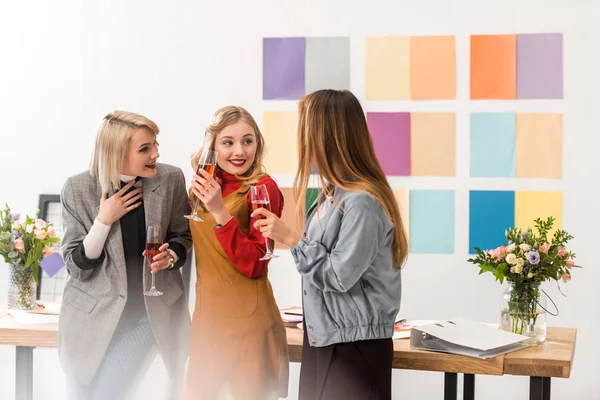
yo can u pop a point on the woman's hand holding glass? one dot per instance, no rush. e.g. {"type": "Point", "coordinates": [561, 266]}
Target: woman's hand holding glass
{"type": "Point", "coordinates": [208, 190]}
{"type": "Point", "coordinates": [161, 260]}
{"type": "Point", "coordinates": [274, 228]}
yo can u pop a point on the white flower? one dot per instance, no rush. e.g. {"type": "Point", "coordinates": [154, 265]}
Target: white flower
{"type": "Point", "coordinates": [520, 262]}
{"type": "Point", "coordinates": [518, 269]}
{"type": "Point", "coordinates": [16, 225]}
{"type": "Point", "coordinates": [513, 270]}
{"type": "Point", "coordinates": [511, 248]}
{"type": "Point", "coordinates": [29, 228]}
{"type": "Point", "coordinates": [530, 275]}
{"type": "Point", "coordinates": [511, 258]}
{"type": "Point", "coordinates": [524, 247]}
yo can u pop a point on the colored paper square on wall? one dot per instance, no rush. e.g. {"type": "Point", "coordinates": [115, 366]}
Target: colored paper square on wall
{"type": "Point", "coordinates": [493, 145]}
{"type": "Point", "coordinates": [432, 221]}
{"type": "Point", "coordinates": [387, 68]}
{"type": "Point", "coordinates": [279, 131]}
{"type": "Point", "coordinates": [432, 67]}
{"type": "Point", "coordinates": [540, 66]}
{"type": "Point", "coordinates": [532, 205]}
{"type": "Point", "coordinates": [403, 198]}
{"type": "Point", "coordinates": [283, 68]}
{"type": "Point", "coordinates": [288, 216]}
{"type": "Point", "coordinates": [327, 63]}
{"type": "Point", "coordinates": [539, 146]}
{"type": "Point", "coordinates": [491, 213]}
{"type": "Point", "coordinates": [391, 138]}
{"type": "Point", "coordinates": [493, 67]}
{"type": "Point", "coordinates": [433, 144]}
{"type": "Point", "coordinates": [312, 194]}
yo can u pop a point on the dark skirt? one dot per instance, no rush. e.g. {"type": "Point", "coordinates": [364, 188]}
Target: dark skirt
{"type": "Point", "coordinates": [356, 370]}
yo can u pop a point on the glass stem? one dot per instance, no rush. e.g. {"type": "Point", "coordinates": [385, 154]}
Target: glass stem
{"type": "Point", "coordinates": [195, 213]}
{"type": "Point", "coordinates": [268, 247]}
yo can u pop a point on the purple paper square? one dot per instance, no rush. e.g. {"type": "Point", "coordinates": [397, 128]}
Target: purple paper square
{"type": "Point", "coordinates": [391, 136]}
{"type": "Point", "coordinates": [540, 66]}
{"type": "Point", "coordinates": [52, 264]}
{"type": "Point", "coordinates": [283, 68]}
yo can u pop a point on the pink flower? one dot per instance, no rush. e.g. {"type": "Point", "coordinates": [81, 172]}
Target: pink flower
{"type": "Point", "coordinates": [40, 234]}
{"type": "Point", "coordinates": [565, 277]}
{"type": "Point", "coordinates": [562, 251]}
{"type": "Point", "coordinates": [19, 245]}
{"type": "Point", "coordinates": [545, 248]}
{"type": "Point", "coordinates": [51, 231]}
{"type": "Point", "coordinates": [47, 251]}
{"type": "Point", "coordinates": [40, 223]}
{"type": "Point", "coordinates": [570, 263]}
{"type": "Point", "coordinates": [498, 253]}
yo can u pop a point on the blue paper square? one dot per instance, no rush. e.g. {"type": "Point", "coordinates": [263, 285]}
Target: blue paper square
{"type": "Point", "coordinates": [493, 144]}
{"type": "Point", "coordinates": [491, 214]}
{"type": "Point", "coordinates": [432, 221]}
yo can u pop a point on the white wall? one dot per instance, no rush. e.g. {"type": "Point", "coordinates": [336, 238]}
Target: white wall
{"type": "Point", "coordinates": [64, 64]}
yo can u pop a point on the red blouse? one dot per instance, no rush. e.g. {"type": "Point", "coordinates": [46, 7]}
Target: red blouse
{"type": "Point", "coordinates": [244, 251]}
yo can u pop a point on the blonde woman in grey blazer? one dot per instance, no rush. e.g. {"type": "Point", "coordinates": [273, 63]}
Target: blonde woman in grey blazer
{"type": "Point", "coordinates": [108, 330]}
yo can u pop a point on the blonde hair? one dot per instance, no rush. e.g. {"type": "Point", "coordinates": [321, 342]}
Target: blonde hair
{"type": "Point", "coordinates": [333, 135]}
{"type": "Point", "coordinates": [221, 119]}
{"type": "Point", "coordinates": [111, 143]}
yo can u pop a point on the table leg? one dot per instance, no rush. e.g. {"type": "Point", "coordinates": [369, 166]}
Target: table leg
{"type": "Point", "coordinates": [469, 387]}
{"type": "Point", "coordinates": [24, 373]}
{"type": "Point", "coordinates": [450, 386]}
{"type": "Point", "coordinates": [546, 387]}
{"type": "Point", "coordinates": [539, 388]}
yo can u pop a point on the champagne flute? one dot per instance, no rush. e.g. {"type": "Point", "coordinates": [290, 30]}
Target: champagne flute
{"type": "Point", "coordinates": [260, 199]}
{"type": "Point", "coordinates": [207, 162]}
{"type": "Point", "coordinates": [153, 243]}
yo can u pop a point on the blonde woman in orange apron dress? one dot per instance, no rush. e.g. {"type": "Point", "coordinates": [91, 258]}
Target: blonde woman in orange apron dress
{"type": "Point", "coordinates": [238, 340]}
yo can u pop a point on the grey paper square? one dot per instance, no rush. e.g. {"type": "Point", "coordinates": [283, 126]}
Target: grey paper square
{"type": "Point", "coordinates": [327, 63]}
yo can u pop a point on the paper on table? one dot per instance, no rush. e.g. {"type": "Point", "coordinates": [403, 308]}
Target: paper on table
{"type": "Point", "coordinates": [50, 308]}
{"type": "Point", "coordinates": [403, 327]}
{"type": "Point", "coordinates": [291, 318]}
{"type": "Point", "coordinates": [26, 317]}
{"type": "Point", "coordinates": [291, 314]}
{"type": "Point", "coordinates": [461, 336]}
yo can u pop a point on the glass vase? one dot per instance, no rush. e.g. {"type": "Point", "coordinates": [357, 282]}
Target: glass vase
{"type": "Point", "coordinates": [21, 288]}
{"type": "Point", "coordinates": [523, 311]}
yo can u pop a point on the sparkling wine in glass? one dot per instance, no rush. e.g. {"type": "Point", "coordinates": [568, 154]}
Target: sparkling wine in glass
{"type": "Point", "coordinates": [153, 243]}
{"type": "Point", "coordinates": [207, 162]}
{"type": "Point", "coordinates": [260, 199]}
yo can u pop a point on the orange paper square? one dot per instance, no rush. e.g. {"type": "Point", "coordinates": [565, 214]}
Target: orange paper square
{"type": "Point", "coordinates": [432, 67]}
{"type": "Point", "coordinates": [539, 146]}
{"type": "Point", "coordinates": [288, 216]}
{"type": "Point", "coordinates": [433, 144]}
{"type": "Point", "coordinates": [493, 67]}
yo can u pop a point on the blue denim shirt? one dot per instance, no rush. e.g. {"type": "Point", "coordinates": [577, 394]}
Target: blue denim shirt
{"type": "Point", "coordinates": [351, 289]}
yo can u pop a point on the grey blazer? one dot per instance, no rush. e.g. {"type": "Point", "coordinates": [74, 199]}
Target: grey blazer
{"type": "Point", "coordinates": [93, 299]}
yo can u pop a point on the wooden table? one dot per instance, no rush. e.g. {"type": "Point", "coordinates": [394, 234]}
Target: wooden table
{"type": "Point", "coordinates": [553, 358]}
{"type": "Point", "coordinates": [25, 338]}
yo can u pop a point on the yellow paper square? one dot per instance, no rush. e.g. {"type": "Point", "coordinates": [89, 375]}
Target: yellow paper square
{"type": "Point", "coordinates": [539, 146]}
{"type": "Point", "coordinates": [433, 144]}
{"type": "Point", "coordinates": [279, 131]}
{"type": "Point", "coordinates": [403, 198]}
{"type": "Point", "coordinates": [288, 216]}
{"type": "Point", "coordinates": [387, 68]}
{"type": "Point", "coordinates": [532, 205]}
{"type": "Point", "coordinates": [432, 67]}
